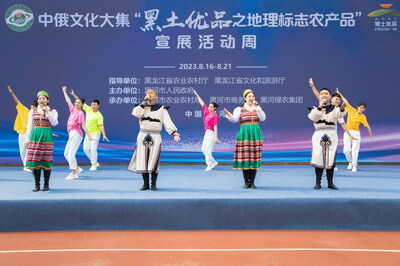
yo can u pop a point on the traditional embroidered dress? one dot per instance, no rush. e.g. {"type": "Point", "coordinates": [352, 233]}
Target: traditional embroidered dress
{"type": "Point", "coordinates": [325, 138]}
{"type": "Point", "coordinates": [40, 138]}
{"type": "Point", "coordinates": [249, 140]}
{"type": "Point", "coordinates": [146, 158]}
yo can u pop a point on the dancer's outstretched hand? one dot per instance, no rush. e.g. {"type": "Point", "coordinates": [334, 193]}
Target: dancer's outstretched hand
{"type": "Point", "coordinates": [72, 93]}
{"type": "Point", "coordinates": [228, 114]}
{"type": "Point", "coordinates": [311, 82]}
{"type": "Point", "coordinates": [177, 137]}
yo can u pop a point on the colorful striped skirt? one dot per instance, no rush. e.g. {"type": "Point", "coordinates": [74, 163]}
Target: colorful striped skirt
{"type": "Point", "coordinates": [40, 149]}
{"type": "Point", "coordinates": [248, 147]}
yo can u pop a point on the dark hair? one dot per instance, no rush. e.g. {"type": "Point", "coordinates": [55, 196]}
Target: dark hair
{"type": "Point", "coordinates": [35, 103]}
{"type": "Point", "coordinates": [362, 104]}
{"type": "Point", "coordinates": [81, 99]}
{"type": "Point", "coordinates": [96, 101]}
{"type": "Point", "coordinates": [215, 105]}
{"type": "Point", "coordinates": [337, 95]}
{"type": "Point", "coordinates": [325, 89]}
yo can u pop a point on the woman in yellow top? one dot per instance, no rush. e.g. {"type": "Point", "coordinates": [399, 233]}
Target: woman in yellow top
{"type": "Point", "coordinates": [355, 117]}
{"type": "Point", "coordinates": [20, 124]}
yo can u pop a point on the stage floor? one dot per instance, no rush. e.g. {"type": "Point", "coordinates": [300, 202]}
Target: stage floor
{"type": "Point", "coordinates": [285, 199]}
{"type": "Point", "coordinates": [192, 182]}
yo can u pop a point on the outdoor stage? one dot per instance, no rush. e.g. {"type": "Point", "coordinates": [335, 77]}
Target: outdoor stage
{"type": "Point", "coordinates": [191, 199]}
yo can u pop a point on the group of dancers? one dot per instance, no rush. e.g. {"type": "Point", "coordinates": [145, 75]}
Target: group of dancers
{"type": "Point", "coordinates": [36, 137]}
{"type": "Point", "coordinates": [325, 116]}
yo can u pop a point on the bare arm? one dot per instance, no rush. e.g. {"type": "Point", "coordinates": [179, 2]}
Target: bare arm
{"type": "Point", "coordinates": [13, 94]}
{"type": "Point", "coordinates": [198, 98]}
{"type": "Point", "coordinates": [67, 99]}
{"type": "Point", "coordinates": [216, 134]}
{"type": "Point", "coordinates": [103, 132]}
{"type": "Point", "coordinates": [86, 131]}
{"type": "Point", "coordinates": [370, 133]}
{"type": "Point", "coordinates": [343, 98]}
{"type": "Point", "coordinates": [314, 89]}
{"type": "Point", "coordinates": [346, 129]}
{"type": "Point", "coordinates": [73, 94]}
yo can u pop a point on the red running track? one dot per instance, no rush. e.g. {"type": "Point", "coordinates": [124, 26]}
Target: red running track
{"type": "Point", "coordinates": [241, 247]}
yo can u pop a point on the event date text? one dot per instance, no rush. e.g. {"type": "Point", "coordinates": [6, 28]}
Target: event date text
{"type": "Point", "coordinates": [205, 66]}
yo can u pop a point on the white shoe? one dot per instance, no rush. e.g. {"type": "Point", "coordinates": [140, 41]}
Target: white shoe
{"type": "Point", "coordinates": [93, 168]}
{"type": "Point", "coordinates": [72, 176]}
{"type": "Point", "coordinates": [27, 170]}
{"type": "Point", "coordinates": [335, 169]}
{"type": "Point", "coordinates": [209, 168]}
{"type": "Point", "coordinates": [354, 169]}
{"type": "Point", "coordinates": [350, 166]}
{"type": "Point", "coordinates": [97, 165]}
{"type": "Point", "coordinates": [213, 164]}
{"type": "Point", "coordinates": [80, 170]}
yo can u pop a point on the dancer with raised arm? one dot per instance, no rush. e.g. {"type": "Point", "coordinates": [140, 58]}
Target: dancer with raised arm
{"type": "Point", "coordinates": [210, 119]}
{"type": "Point", "coordinates": [325, 138]}
{"type": "Point", "coordinates": [351, 147]}
{"type": "Point", "coordinates": [249, 140]}
{"type": "Point", "coordinates": [95, 126]}
{"type": "Point", "coordinates": [75, 121]}
{"type": "Point", "coordinates": [39, 140]}
{"type": "Point", "coordinates": [146, 158]}
{"type": "Point", "coordinates": [335, 100]}
{"type": "Point", "coordinates": [20, 125]}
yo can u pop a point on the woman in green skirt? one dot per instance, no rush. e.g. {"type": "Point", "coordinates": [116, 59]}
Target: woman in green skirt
{"type": "Point", "coordinates": [249, 140]}
{"type": "Point", "coordinates": [39, 140]}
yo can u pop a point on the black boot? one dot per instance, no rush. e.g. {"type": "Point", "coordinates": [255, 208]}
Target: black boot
{"type": "Point", "coordinates": [46, 174]}
{"type": "Point", "coordinates": [36, 175]}
{"type": "Point", "coordinates": [318, 176]}
{"type": "Point", "coordinates": [329, 175]}
{"type": "Point", "coordinates": [252, 178]}
{"type": "Point", "coordinates": [246, 177]}
{"type": "Point", "coordinates": [145, 182]}
{"type": "Point", "coordinates": [154, 181]}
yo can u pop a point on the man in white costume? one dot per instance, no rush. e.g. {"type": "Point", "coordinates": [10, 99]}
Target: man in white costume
{"type": "Point", "coordinates": [325, 138]}
{"type": "Point", "coordinates": [146, 158]}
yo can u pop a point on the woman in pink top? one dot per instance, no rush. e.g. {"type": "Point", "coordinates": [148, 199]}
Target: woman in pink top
{"type": "Point", "coordinates": [75, 135]}
{"type": "Point", "coordinates": [211, 131]}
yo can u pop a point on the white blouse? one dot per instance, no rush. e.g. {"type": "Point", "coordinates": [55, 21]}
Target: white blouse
{"type": "Point", "coordinates": [52, 115]}
{"type": "Point", "coordinates": [236, 113]}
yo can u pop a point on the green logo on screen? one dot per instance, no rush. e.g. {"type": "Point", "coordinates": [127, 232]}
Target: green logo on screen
{"type": "Point", "coordinates": [19, 18]}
